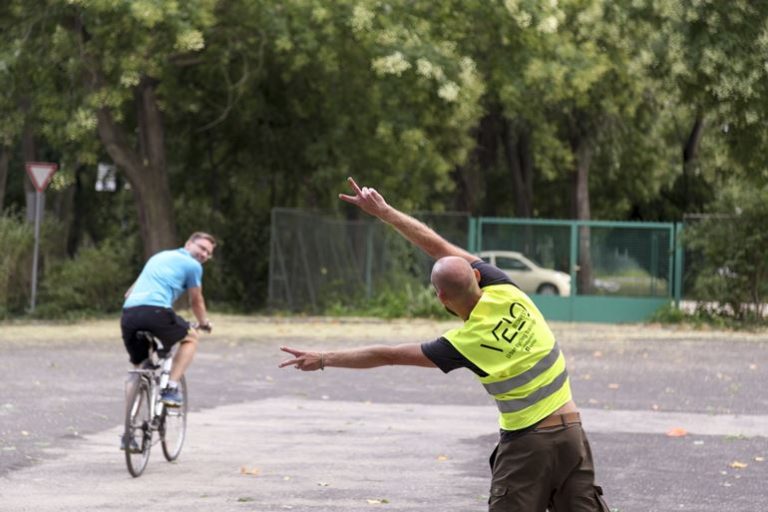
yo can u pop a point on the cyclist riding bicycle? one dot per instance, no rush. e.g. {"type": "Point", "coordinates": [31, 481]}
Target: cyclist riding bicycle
{"type": "Point", "coordinates": [149, 307]}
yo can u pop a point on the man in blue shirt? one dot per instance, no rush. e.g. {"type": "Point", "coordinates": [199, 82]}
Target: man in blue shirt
{"type": "Point", "coordinates": [149, 307]}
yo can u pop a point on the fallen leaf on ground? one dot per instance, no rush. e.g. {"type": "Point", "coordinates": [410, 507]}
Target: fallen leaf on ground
{"type": "Point", "coordinates": [377, 502]}
{"type": "Point", "coordinates": [597, 353]}
{"type": "Point", "coordinates": [677, 432]}
{"type": "Point", "coordinates": [613, 386]}
{"type": "Point", "coordinates": [442, 457]}
{"type": "Point", "coordinates": [759, 459]}
{"type": "Point", "coordinates": [737, 465]}
{"type": "Point", "coordinates": [245, 470]}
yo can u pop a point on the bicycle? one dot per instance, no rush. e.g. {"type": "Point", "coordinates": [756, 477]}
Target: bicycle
{"type": "Point", "coordinates": [145, 414]}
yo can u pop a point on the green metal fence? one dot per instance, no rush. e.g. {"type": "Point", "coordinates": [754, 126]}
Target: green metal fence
{"type": "Point", "coordinates": [594, 271]}
{"type": "Point", "coordinates": [619, 271]}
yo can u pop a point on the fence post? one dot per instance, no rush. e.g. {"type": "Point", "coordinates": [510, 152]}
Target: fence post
{"type": "Point", "coordinates": [654, 261]}
{"type": "Point", "coordinates": [679, 254]}
{"type": "Point", "coordinates": [472, 235]}
{"type": "Point", "coordinates": [369, 260]}
{"type": "Point", "coordinates": [574, 257]}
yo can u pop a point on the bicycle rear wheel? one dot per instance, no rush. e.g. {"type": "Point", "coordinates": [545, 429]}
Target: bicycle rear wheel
{"type": "Point", "coordinates": [173, 428]}
{"type": "Point", "coordinates": [138, 434]}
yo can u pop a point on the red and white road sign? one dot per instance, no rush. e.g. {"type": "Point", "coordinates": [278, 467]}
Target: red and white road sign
{"type": "Point", "coordinates": [40, 174]}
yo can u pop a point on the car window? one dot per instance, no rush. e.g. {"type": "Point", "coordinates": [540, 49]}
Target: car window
{"type": "Point", "coordinates": [508, 263]}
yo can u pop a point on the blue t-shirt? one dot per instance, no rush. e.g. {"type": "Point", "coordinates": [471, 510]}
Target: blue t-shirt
{"type": "Point", "coordinates": [165, 276]}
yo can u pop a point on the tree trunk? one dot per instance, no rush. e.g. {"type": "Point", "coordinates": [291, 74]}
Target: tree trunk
{"type": "Point", "coordinates": [690, 156]}
{"type": "Point", "coordinates": [145, 169]}
{"type": "Point", "coordinates": [469, 177]}
{"type": "Point", "coordinates": [4, 159]}
{"type": "Point", "coordinates": [582, 152]}
{"type": "Point", "coordinates": [517, 155]}
{"type": "Point", "coordinates": [145, 164]}
{"type": "Point", "coordinates": [63, 206]}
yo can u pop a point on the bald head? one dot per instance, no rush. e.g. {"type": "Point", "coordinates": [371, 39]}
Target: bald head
{"type": "Point", "coordinates": [454, 277]}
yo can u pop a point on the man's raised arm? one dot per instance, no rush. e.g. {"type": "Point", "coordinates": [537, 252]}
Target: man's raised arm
{"type": "Point", "coordinates": [415, 231]}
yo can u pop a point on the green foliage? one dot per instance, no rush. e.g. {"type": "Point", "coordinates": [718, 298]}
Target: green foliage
{"type": "Point", "coordinates": [732, 277]}
{"type": "Point", "coordinates": [409, 301]}
{"type": "Point", "coordinates": [702, 318]}
{"type": "Point", "coordinates": [236, 277]}
{"type": "Point", "coordinates": [16, 239]}
{"type": "Point", "coordinates": [92, 282]}
{"type": "Point", "coordinates": [274, 103]}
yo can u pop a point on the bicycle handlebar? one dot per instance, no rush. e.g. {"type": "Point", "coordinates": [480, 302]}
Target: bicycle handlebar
{"type": "Point", "coordinates": [207, 327]}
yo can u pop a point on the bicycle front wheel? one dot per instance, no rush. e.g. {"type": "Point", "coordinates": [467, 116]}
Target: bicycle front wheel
{"type": "Point", "coordinates": [137, 438]}
{"type": "Point", "coordinates": [173, 427]}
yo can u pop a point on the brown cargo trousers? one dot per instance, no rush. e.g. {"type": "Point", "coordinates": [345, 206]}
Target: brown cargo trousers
{"type": "Point", "coordinates": [545, 469]}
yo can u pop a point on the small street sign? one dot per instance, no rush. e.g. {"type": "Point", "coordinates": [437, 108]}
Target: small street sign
{"type": "Point", "coordinates": [40, 174]}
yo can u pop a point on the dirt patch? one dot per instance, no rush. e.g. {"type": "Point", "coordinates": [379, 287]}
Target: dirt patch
{"type": "Point", "coordinates": [298, 328]}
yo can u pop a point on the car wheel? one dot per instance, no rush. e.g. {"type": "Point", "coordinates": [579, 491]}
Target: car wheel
{"type": "Point", "coordinates": [547, 289]}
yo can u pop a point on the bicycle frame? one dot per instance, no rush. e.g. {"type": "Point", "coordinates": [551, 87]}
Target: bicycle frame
{"type": "Point", "coordinates": [155, 380]}
{"type": "Point", "coordinates": [148, 381]}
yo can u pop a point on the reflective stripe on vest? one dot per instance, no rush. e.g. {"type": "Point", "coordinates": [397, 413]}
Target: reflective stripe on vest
{"type": "Point", "coordinates": [536, 396]}
{"type": "Point", "coordinates": [497, 388]}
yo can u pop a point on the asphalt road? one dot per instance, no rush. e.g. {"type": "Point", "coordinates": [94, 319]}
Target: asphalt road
{"type": "Point", "coordinates": [400, 439]}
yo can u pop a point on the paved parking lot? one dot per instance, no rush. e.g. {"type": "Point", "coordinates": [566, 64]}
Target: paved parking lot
{"type": "Point", "coordinates": [400, 439]}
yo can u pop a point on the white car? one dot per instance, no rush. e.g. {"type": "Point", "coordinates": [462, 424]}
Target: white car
{"type": "Point", "coordinates": [530, 277]}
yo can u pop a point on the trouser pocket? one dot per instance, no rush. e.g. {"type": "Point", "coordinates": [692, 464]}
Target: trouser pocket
{"type": "Point", "coordinates": [492, 458]}
{"type": "Point", "coordinates": [497, 498]}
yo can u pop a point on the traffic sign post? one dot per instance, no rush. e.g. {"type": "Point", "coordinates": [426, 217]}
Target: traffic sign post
{"type": "Point", "coordinates": [40, 174]}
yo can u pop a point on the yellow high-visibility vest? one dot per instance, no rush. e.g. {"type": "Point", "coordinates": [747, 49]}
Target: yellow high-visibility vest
{"type": "Point", "coordinates": [507, 337]}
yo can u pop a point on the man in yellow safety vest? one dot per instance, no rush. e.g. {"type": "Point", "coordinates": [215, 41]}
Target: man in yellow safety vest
{"type": "Point", "coordinates": [543, 460]}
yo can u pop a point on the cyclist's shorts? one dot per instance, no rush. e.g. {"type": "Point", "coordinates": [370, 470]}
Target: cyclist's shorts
{"type": "Point", "coordinates": [162, 322]}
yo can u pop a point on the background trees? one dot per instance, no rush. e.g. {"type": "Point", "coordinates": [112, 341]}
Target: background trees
{"type": "Point", "coordinates": [215, 111]}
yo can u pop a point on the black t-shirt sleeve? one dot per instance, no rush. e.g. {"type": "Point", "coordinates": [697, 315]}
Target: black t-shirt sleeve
{"type": "Point", "coordinates": [447, 358]}
{"type": "Point", "coordinates": [490, 275]}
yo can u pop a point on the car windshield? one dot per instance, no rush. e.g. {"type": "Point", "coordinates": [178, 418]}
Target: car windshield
{"type": "Point", "coordinates": [509, 263]}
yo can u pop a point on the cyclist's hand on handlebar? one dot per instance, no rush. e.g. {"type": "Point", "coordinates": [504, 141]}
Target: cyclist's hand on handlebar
{"type": "Point", "coordinates": [207, 326]}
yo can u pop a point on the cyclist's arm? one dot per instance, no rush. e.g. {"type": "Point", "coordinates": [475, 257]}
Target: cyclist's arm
{"type": "Point", "coordinates": [197, 303]}
{"type": "Point", "coordinates": [363, 357]}
{"type": "Point", "coordinates": [415, 231]}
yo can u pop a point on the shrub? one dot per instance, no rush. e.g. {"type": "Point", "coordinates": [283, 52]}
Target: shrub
{"type": "Point", "coordinates": [408, 301]}
{"type": "Point", "coordinates": [94, 281]}
{"type": "Point", "coordinates": [732, 277]}
{"type": "Point", "coordinates": [16, 239]}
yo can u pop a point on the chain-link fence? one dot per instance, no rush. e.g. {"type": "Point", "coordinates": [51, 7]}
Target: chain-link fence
{"type": "Point", "coordinates": [319, 260]}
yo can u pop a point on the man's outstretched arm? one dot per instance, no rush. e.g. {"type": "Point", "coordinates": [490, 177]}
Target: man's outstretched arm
{"type": "Point", "coordinates": [363, 357]}
{"type": "Point", "coordinates": [415, 231]}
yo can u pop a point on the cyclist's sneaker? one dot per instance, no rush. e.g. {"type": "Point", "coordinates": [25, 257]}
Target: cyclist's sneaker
{"type": "Point", "coordinates": [171, 397]}
{"type": "Point", "coordinates": [134, 446]}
